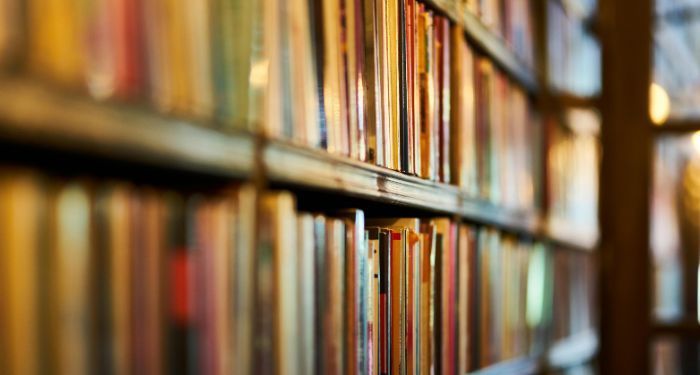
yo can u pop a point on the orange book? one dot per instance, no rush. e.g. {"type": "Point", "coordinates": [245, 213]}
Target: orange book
{"type": "Point", "coordinates": [22, 213]}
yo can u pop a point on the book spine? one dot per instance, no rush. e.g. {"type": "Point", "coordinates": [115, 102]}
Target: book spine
{"type": "Point", "coordinates": [403, 89]}
{"type": "Point", "coordinates": [384, 300]}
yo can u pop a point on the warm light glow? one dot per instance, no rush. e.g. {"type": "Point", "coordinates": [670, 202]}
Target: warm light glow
{"type": "Point", "coordinates": [259, 74]}
{"type": "Point", "coordinates": [696, 141]}
{"type": "Point", "coordinates": [659, 104]}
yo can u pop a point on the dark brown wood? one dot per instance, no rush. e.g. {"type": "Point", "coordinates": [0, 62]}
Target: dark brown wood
{"type": "Point", "coordinates": [625, 31]}
{"type": "Point", "coordinates": [36, 115]}
{"type": "Point", "coordinates": [685, 328]}
{"type": "Point", "coordinates": [677, 126]}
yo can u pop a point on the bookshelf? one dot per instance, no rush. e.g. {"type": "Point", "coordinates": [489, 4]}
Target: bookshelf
{"type": "Point", "coordinates": [37, 116]}
{"type": "Point", "coordinates": [141, 137]}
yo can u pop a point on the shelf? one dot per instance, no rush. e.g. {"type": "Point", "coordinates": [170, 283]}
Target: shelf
{"type": "Point", "coordinates": [678, 126]}
{"type": "Point", "coordinates": [287, 163]}
{"type": "Point", "coordinates": [33, 114]}
{"type": "Point", "coordinates": [568, 100]}
{"type": "Point", "coordinates": [522, 365]}
{"type": "Point", "coordinates": [491, 44]}
{"type": "Point", "coordinates": [571, 351]}
{"type": "Point", "coordinates": [570, 236]}
{"type": "Point", "coordinates": [36, 115]}
{"type": "Point", "coordinates": [685, 328]}
{"type": "Point", "coordinates": [527, 222]}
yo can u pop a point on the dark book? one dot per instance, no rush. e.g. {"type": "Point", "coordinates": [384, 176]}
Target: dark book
{"type": "Point", "coordinates": [384, 301]}
{"type": "Point", "coordinates": [178, 285]}
{"type": "Point", "coordinates": [321, 290]}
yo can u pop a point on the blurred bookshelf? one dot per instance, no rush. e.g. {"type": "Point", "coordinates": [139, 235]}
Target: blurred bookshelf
{"type": "Point", "coordinates": [499, 175]}
{"type": "Point", "coordinates": [39, 115]}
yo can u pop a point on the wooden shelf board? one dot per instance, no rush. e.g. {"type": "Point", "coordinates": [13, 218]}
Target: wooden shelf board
{"type": "Point", "coordinates": [285, 162]}
{"type": "Point", "coordinates": [491, 44]}
{"type": "Point", "coordinates": [571, 237]}
{"type": "Point", "coordinates": [574, 350]}
{"type": "Point", "coordinates": [526, 222]}
{"type": "Point", "coordinates": [685, 328]}
{"type": "Point", "coordinates": [522, 365]}
{"type": "Point", "coordinates": [35, 114]}
{"type": "Point", "coordinates": [678, 126]}
{"type": "Point", "coordinates": [569, 100]}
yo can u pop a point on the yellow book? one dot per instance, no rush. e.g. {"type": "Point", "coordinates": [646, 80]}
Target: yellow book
{"type": "Point", "coordinates": [197, 23]}
{"type": "Point", "coordinates": [22, 208]}
{"type": "Point", "coordinates": [178, 56]}
{"type": "Point", "coordinates": [56, 40]}
{"type": "Point", "coordinates": [280, 209]}
{"type": "Point", "coordinates": [463, 298]}
{"type": "Point", "coordinates": [385, 93]}
{"type": "Point", "coordinates": [463, 113]}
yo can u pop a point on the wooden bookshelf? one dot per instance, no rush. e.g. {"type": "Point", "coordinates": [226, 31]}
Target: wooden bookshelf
{"type": "Point", "coordinates": [122, 132]}
{"type": "Point", "coordinates": [37, 115]}
{"type": "Point", "coordinates": [677, 126]}
{"type": "Point", "coordinates": [490, 43]}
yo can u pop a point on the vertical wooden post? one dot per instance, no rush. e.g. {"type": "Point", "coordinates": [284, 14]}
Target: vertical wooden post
{"type": "Point", "coordinates": [625, 27]}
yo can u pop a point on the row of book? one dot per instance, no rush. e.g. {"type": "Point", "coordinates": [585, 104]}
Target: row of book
{"type": "Point", "coordinates": [393, 83]}
{"type": "Point", "coordinates": [512, 20]}
{"type": "Point", "coordinates": [574, 54]}
{"type": "Point", "coordinates": [573, 173]}
{"type": "Point", "coordinates": [574, 294]}
{"type": "Point", "coordinates": [112, 277]}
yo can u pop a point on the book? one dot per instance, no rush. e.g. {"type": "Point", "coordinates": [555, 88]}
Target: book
{"type": "Point", "coordinates": [68, 266]}
{"type": "Point", "coordinates": [334, 314]}
{"type": "Point", "coordinates": [168, 280]}
{"type": "Point", "coordinates": [23, 206]}
{"type": "Point", "coordinates": [306, 292]}
{"type": "Point", "coordinates": [373, 309]}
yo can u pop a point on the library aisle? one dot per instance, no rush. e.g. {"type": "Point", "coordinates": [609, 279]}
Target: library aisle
{"type": "Point", "coordinates": [349, 187]}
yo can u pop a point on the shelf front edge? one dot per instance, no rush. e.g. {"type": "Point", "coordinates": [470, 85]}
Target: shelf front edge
{"type": "Point", "coordinates": [35, 114]}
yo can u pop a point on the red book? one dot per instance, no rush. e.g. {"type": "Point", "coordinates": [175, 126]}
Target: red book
{"type": "Point", "coordinates": [128, 47]}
